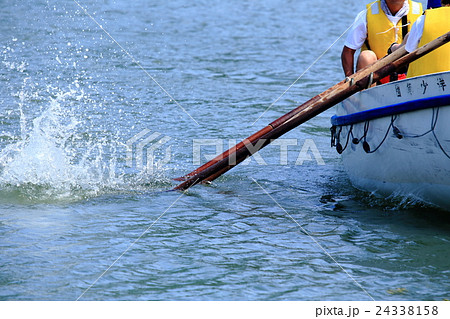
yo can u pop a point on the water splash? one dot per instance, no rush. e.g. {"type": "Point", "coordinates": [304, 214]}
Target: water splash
{"type": "Point", "coordinates": [54, 158]}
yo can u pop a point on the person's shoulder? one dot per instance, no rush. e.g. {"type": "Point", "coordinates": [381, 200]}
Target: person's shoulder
{"type": "Point", "coordinates": [372, 4]}
{"type": "Point", "coordinates": [361, 16]}
{"type": "Point", "coordinates": [374, 7]}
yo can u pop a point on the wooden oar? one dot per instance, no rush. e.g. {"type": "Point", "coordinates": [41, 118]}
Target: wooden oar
{"type": "Point", "coordinates": [337, 93]}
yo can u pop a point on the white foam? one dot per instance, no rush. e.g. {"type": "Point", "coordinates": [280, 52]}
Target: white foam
{"type": "Point", "coordinates": [51, 154]}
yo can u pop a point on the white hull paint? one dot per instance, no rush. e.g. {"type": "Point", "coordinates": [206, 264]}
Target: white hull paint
{"type": "Point", "coordinates": [409, 152]}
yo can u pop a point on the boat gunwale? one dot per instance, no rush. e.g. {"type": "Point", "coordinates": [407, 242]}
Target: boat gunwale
{"type": "Point", "coordinates": [389, 110]}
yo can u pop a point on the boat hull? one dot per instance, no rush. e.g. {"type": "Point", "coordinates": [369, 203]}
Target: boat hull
{"type": "Point", "coordinates": [395, 139]}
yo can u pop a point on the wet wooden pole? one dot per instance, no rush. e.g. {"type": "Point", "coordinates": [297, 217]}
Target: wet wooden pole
{"type": "Point", "coordinates": [318, 104]}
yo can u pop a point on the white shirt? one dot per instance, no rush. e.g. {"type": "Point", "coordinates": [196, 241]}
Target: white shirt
{"type": "Point", "coordinates": [358, 32]}
{"type": "Point", "coordinates": [415, 34]}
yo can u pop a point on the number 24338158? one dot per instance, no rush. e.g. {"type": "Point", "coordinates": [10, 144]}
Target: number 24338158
{"type": "Point", "coordinates": [407, 310]}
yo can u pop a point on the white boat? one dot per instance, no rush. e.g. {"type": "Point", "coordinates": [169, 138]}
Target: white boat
{"type": "Point", "coordinates": [395, 139]}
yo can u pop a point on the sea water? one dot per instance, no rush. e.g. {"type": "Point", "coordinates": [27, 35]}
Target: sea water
{"type": "Point", "coordinates": [103, 103]}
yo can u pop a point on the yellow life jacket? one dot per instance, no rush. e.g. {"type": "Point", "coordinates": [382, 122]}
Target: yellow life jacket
{"type": "Point", "coordinates": [381, 32]}
{"type": "Point", "coordinates": [437, 22]}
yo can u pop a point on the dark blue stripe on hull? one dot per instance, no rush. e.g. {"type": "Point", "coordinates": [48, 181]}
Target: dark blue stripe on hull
{"type": "Point", "coordinates": [389, 110]}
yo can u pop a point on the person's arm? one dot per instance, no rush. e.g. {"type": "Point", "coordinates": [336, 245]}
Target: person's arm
{"type": "Point", "coordinates": [347, 59]}
{"type": "Point", "coordinates": [415, 34]}
{"type": "Point", "coordinates": [355, 39]}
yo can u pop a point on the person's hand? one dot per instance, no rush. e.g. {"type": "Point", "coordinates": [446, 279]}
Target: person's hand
{"type": "Point", "coordinates": [394, 46]}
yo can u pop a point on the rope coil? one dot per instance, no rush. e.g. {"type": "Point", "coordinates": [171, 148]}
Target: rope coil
{"type": "Point", "coordinates": [336, 131]}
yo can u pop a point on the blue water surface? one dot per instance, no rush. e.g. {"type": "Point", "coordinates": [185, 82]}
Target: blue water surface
{"type": "Point", "coordinates": [88, 89]}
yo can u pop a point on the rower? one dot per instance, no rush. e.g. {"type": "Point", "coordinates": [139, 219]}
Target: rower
{"type": "Point", "coordinates": [432, 24]}
{"type": "Point", "coordinates": [374, 29]}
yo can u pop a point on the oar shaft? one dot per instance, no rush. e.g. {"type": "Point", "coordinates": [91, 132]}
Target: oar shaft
{"type": "Point", "coordinates": [306, 111]}
{"type": "Point", "coordinates": [335, 89]}
{"type": "Point", "coordinates": [218, 168]}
